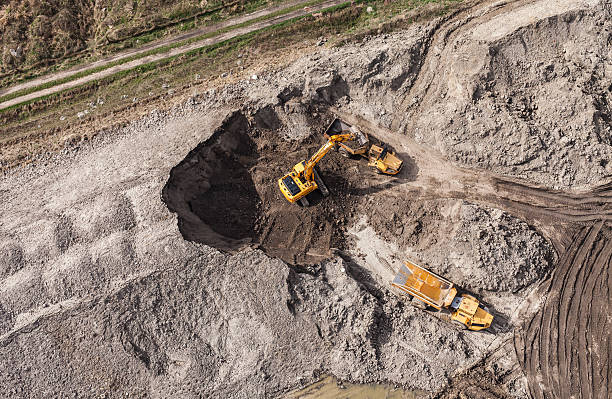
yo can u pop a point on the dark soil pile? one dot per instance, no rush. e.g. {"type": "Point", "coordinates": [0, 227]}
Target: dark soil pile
{"type": "Point", "coordinates": [225, 191]}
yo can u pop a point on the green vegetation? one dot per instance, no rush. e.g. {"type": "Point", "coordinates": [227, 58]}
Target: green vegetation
{"type": "Point", "coordinates": [157, 82]}
{"type": "Point", "coordinates": [158, 50]}
{"type": "Point", "coordinates": [133, 24]}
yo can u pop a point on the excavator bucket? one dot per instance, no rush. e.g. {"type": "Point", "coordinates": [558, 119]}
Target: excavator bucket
{"type": "Point", "coordinates": [358, 146]}
{"type": "Point", "coordinates": [337, 127]}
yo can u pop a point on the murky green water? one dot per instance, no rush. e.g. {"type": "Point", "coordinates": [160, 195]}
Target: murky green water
{"type": "Point", "coordinates": [328, 388]}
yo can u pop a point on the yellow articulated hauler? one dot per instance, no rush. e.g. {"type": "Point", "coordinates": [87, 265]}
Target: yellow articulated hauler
{"type": "Point", "coordinates": [440, 293]}
{"type": "Point", "coordinates": [380, 158]}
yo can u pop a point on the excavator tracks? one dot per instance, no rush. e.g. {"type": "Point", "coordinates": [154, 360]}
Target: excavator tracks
{"type": "Point", "coordinates": [322, 187]}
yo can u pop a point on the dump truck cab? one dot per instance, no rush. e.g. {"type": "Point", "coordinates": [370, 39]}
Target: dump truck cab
{"type": "Point", "coordinates": [468, 311]}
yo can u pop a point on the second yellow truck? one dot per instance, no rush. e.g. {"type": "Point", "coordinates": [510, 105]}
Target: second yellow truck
{"type": "Point", "coordinates": [441, 294]}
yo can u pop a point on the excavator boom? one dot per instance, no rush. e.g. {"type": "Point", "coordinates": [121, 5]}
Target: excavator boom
{"type": "Point", "coordinates": [317, 156]}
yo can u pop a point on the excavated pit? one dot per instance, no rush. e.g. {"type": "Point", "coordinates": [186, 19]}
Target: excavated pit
{"type": "Point", "coordinates": [225, 191]}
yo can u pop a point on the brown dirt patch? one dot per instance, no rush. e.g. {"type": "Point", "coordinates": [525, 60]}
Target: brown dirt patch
{"type": "Point", "coordinates": [226, 195]}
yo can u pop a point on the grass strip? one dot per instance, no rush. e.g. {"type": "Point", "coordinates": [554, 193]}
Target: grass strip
{"type": "Point", "coordinates": [155, 51]}
{"type": "Point", "coordinates": [380, 9]}
{"type": "Point", "coordinates": [235, 42]}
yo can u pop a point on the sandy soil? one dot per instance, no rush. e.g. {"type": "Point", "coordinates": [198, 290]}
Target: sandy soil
{"type": "Point", "coordinates": [161, 261]}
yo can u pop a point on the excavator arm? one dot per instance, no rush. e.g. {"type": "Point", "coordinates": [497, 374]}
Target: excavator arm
{"type": "Point", "coordinates": [317, 156]}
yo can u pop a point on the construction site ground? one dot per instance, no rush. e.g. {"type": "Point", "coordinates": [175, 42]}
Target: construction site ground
{"type": "Point", "coordinates": [159, 259]}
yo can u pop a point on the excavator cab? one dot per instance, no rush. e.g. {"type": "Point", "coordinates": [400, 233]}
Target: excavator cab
{"type": "Point", "coordinates": [295, 187]}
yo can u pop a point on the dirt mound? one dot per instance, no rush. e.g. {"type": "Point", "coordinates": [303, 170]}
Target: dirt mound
{"type": "Point", "coordinates": [35, 31]}
{"type": "Point", "coordinates": [91, 256]}
{"type": "Point", "coordinates": [534, 103]}
{"type": "Point", "coordinates": [477, 248]}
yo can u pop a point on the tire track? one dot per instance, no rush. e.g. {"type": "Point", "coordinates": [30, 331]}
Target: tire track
{"type": "Point", "coordinates": [564, 348]}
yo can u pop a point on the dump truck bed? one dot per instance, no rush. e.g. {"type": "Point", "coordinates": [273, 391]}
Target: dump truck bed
{"type": "Point", "coordinates": [423, 284]}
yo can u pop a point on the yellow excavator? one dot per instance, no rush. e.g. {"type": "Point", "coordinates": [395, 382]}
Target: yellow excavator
{"type": "Point", "coordinates": [304, 178]}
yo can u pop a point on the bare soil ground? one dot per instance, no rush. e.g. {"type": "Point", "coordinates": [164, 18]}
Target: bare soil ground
{"type": "Point", "coordinates": [163, 261]}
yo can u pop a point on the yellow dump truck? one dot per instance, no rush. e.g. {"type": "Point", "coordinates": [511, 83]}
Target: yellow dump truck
{"type": "Point", "coordinates": [380, 158]}
{"type": "Point", "coordinates": [441, 294]}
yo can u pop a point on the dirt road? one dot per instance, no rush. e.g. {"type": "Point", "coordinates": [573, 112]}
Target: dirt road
{"type": "Point", "coordinates": [160, 56]}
